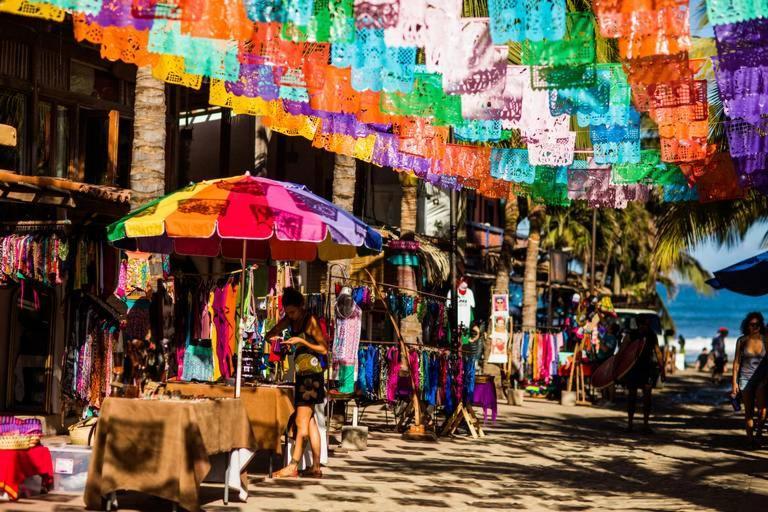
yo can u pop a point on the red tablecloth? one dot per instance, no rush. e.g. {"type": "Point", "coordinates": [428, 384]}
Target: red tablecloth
{"type": "Point", "coordinates": [18, 465]}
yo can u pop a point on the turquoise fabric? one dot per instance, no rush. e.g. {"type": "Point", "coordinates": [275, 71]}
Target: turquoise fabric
{"type": "Point", "coordinates": [518, 20]}
{"type": "Point", "coordinates": [346, 377]}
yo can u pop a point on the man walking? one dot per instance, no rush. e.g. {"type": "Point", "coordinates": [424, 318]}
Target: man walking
{"type": "Point", "coordinates": [718, 355]}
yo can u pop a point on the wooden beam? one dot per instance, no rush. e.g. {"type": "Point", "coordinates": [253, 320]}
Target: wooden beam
{"type": "Point", "coordinates": [112, 141]}
{"type": "Point", "coordinates": [7, 135]}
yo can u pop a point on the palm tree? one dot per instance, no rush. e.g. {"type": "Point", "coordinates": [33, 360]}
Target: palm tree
{"type": "Point", "coordinates": [148, 157]}
{"type": "Point", "coordinates": [504, 265]}
{"type": "Point", "coordinates": [684, 225]}
{"type": "Point", "coordinates": [408, 202]}
{"type": "Point", "coordinates": [261, 147]}
{"type": "Point", "coordinates": [536, 217]}
{"type": "Point", "coordinates": [344, 179]}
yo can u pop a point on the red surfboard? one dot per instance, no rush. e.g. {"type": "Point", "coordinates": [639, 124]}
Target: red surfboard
{"type": "Point", "coordinates": [602, 377]}
{"type": "Point", "coordinates": [627, 357]}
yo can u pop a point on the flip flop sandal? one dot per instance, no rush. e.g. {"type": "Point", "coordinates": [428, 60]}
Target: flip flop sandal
{"type": "Point", "coordinates": [286, 474]}
{"type": "Point", "coordinates": [312, 473]}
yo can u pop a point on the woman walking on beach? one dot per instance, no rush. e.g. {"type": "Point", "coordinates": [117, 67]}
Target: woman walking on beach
{"type": "Point", "coordinates": [750, 373]}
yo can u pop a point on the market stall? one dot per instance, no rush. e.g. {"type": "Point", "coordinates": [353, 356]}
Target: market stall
{"type": "Point", "coordinates": [211, 328]}
{"type": "Point", "coordinates": [427, 376]}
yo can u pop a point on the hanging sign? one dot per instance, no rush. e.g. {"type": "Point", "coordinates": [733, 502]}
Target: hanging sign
{"type": "Point", "coordinates": [499, 331]}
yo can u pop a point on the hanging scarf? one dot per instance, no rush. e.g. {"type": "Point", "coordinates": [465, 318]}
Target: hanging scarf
{"type": "Point", "coordinates": [393, 360]}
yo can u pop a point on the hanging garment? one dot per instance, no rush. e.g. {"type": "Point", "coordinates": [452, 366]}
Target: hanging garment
{"type": "Point", "coordinates": [434, 379]}
{"type": "Point", "coordinates": [198, 361]}
{"type": "Point", "coordinates": [393, 360]}
{"type": "Point", "coordinates": [138, 320]}
{"type": "Point", "coordinates": [469, 376]}
{"type": "Point", "coordinates": [223, 330]}
{"type": "Point", "coordinates": [214, 336]}
{"type": "Point", "coordinates": [347, 333]}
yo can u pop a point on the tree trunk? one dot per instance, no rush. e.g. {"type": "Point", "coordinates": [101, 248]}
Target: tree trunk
{"type": "Point", "coordinates": [617, 280]}
{"type": "Point", "coordinates": [344, 177]}
{"type": "Point", "coordinates": [530, 292]}
{"type": "Point", "coordinates": [408, 203]}
{"type": "Point", "coordinates": [604, 275]}
{"type": "Point", "coordinates": [511, 216]}
{"type": "Point", "coordinates": [261, 147]}
{"type": "Point", "coordinates": [148, 158]}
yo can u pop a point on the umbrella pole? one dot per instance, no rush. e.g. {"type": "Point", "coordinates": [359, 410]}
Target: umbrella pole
{"type": "Point", "coordinates": [239, 374]}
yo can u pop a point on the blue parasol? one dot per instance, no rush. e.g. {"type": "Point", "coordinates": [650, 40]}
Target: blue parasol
{"type": "Point", "coordinates": [748, 277]}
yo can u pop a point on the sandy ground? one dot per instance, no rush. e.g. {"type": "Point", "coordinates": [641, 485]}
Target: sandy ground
{"type": "Point", "coordinates": [541, 456]}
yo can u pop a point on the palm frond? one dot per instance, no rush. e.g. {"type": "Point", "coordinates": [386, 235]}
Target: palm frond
{"type": "Point", "coordinates": [689, 269]}
{"type": "Point", "coordinates": [685, 225]}
{"type": "Point", "coordinates": [700, 10]}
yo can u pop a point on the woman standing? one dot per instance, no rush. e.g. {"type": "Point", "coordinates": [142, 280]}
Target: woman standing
{"type": "Point", "coordinates": [749, 373]}
{"type": "Point", "coordinates": [311, 345]}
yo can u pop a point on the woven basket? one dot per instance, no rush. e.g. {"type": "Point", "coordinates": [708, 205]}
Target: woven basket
{"type": "Point", "coordinates": [81, 433]}
{"type": "Point", "coordinates": [19, 441]}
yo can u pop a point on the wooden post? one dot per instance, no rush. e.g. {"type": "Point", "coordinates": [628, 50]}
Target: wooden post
{"type": "Point", "coordinates": [418, 427]}
{"type": "Point", "coordinates": [576, 350]}
{"type": "Point", "coordinates": [112, 143]}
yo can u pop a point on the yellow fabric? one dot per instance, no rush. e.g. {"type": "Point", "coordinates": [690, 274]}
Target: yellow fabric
{"type": "Point", "coordinates": [289, 124]}
{"type": "Point", "coordinates": [170, 68]}
{"type": "Point", "coordinates": [360, 148]}
{"type": "Point", "coordinates": [239, 104]}
{"type": "Point", "coordinates": [32, 9]}
{"type": "Point", "coordinates": [216, 371]}
{"type": "Point", "coordinates": [152, 221]}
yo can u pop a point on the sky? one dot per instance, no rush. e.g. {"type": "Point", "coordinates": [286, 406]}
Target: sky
{"type": "Point", "coordinates": [713, 257]}
{"type": "Point", "coordinates": [695, 7]}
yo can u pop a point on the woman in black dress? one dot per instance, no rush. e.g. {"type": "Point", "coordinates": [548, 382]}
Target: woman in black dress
{"type": "Point", "coordinates": [311, 345]}
{"type": "Point", "coordinates": [644, 374]}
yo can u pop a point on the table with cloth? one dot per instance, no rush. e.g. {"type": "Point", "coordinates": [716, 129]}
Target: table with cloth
{"type": "Point", "coordinates": [269, 407]}
{"type": "Point", "coordinates": [163, 447]}
{"type": "Point", "coordinates": [485, 396]}
{"type": "Point", "coordinates": [18, 465]}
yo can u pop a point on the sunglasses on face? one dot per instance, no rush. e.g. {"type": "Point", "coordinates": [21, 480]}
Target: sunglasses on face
{"type": "Point", "coordinates": [754, 324]}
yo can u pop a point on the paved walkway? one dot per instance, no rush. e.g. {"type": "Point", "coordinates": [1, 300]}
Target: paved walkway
{"type": "Point", "coordinates": [541, 456]}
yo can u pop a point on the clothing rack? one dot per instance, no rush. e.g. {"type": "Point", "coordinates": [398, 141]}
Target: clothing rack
{"type": "Point", "coordinates": [37, 225]}
{"type": "Point", "coordinates": [426, 348]}
{"type": "Point", "coordinates": [331, 277]}
{"type": "Point", "coordinates": [550, 329]}
{"type": "Point", "coordinates": [212, 274]}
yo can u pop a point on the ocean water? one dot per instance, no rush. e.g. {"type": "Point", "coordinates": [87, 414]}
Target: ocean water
{"type": "Point", "coordinates": [698, 317]}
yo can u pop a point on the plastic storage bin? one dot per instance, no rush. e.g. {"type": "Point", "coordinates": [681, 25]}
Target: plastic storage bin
{"type": "Point", "coordinates": [70, 467]}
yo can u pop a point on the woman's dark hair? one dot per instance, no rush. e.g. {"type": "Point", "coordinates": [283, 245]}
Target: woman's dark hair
{"type": "Point", "coordinates": [752, 316]}
{"type": "Point", "coordinates": [292, 297]}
